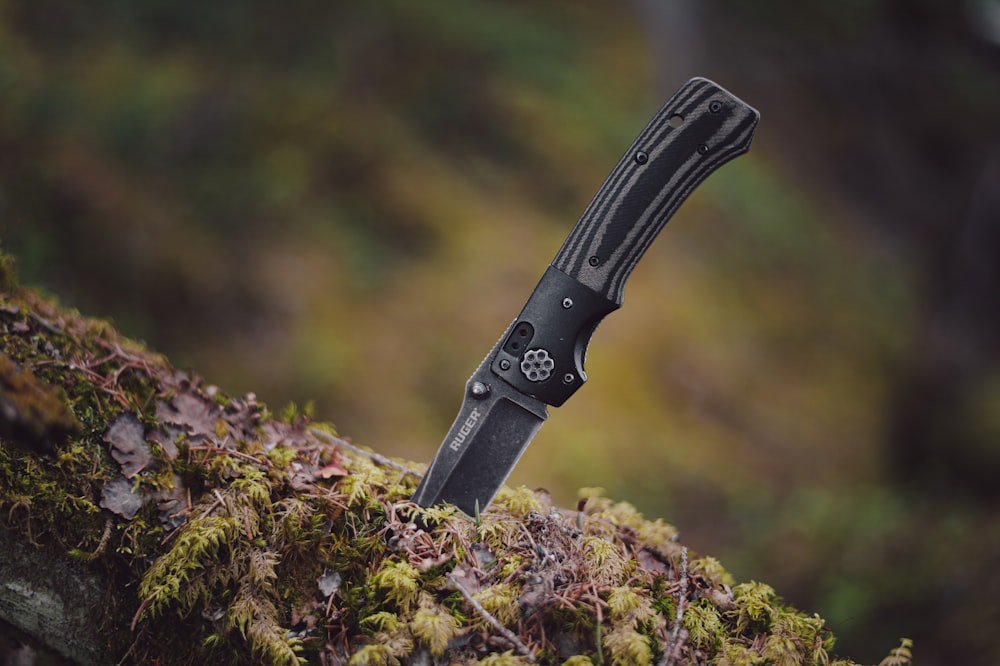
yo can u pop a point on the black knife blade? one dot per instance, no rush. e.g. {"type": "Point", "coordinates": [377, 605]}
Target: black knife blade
{"type": "Point", "coordinates": [539, 359]}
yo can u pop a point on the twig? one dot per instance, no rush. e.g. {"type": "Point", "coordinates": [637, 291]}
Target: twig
{"type": "Point", "coordinates": [380, 459]}
{"type": "Point", "coordinates": [51, 328]}
{"type": "Point", "coordinates": [668, 654]}
{"type": "Point", "coordinates": [90, 557]}
{"type": "Point", "coordinates": [263, 464]}
{"type": "Point", "coordinates": [219, 501]}
{"type": "Point", "coordinates": [506, 633]}
{"type": "Point", "coordinates": [139, 611]}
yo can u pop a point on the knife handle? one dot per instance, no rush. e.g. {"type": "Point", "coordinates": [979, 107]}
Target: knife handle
{"type": "Point", "coordinates": [698, 130]}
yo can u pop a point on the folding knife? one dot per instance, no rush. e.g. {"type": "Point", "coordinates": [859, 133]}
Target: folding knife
{"type": "Point", "coordinates": [539, 359]}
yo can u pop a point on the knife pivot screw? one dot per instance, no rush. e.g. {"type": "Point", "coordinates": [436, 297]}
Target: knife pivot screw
{"type": "Point", "coordinates": [504, 364]}
{"type": "Point", "coordinates": [569, 378]}
{"type": "Point", "coordinates": [594, 260]}
{"type": "Point", "coordinates": [715, 106]}
{"type": "Point", "coordinates": [567, 303]}
{"type": "Point", "coordinates": [702, 148]}
{"type": "Point", "coordinates": [641, 157]}
{"type": "Point", "coordinates": [479, 390]}
{"type": "Point", "coordinates": [537, 365]}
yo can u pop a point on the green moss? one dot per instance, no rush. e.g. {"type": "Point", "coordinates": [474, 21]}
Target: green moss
{"type": "Point", "coordinates": [46, 501]}
{"type": "Point", "coordinates": [433, 626]}
{"type": "Point", "coordinates": [281, 457]}
{"type": "Point", "coordinates": [629, 607]}
{"type": "Point", "coordinates": [364, 482]}
{"type": "Point", "coordinates": [504, 659]}
{"type": "Point", "coordinates": [755, 606]}
{"type": "Point", "coordinates": [400, 583]}
{"type": "Point", "coordinates": [518, 502]}
{"type": "Point", "coordinates": [578, 660]}
{"type": "Point", "coordinates": [226, 558]}
{"type": "Point", "coordinates": [496, 534]}
{"type": "Point", "coordinates": [711, 569]}
{"type": "Point", "coordinates": [627, 647]}
{"type": "Point", "coordinates": [387, 649]}
{"type": "Point", "coordinates": [500, 601]}
{"type": "Point", "coordinates": [900, 656]}
{"type": "Point", "coordinates": [704, 624]}
{"type": "Point", "coordinates": [604, 560]}
{"type": "Point", "coordinates": [270, 561]}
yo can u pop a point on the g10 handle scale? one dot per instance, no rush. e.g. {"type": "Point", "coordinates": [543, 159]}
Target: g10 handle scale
{"type": "Point", "coordinates": [698, 130]}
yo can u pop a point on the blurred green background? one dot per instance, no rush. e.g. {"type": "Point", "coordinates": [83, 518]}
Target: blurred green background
{"type": "Point", "coordinates": [348, 202]}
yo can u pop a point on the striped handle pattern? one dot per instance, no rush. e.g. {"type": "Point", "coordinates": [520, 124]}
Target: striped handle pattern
{"type": "Point", "coordinates": [698, 130]}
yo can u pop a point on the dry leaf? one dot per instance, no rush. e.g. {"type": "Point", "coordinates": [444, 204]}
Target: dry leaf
{"type": "Point", "coordinates": [330, 471]}
{"type": "Point", "coordinates": [118, 497]}
{"type": "Point", "coordinates": [198, 414]}
{"type": "Point", "coordinates": [128, 446]}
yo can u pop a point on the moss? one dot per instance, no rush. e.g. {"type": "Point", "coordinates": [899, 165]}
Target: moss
{"type": "Point", "coordinates": [264, 540]}
{"type": "Point", "coordinates": [500, 601]}
{"type": "Point", "coordinates": [627, 647]}
{"type": "Point", "coordinates": [712, 570]}
{"type": "Point", "coordinates": [578, 660]}
{"type": "Point", "coordinates": [34, 413]}
{"type": "Point", "coordinates": [496, 534]}
{"type": "Point", "coordinates": [518, 502]}
{"type": "Point", "coordinates": [387, 649]}
{"type": "Point", "coordinates": [900, 656]}
{"type": "Point", "coordinates": [704, 625]}
{"type": "Point", "coordinates": [604, 561]}
{"type": "Point", "coordinates": [628, 607]}
{"type": "Point", "coordinates": [45, 500]}
{"type": "Point", "coordinates": [503, 659]}
{"type": "Point", "coordinates": [400, 583]}
{"type": "Point", "coordinates": [433, 626]}
{"type": "Point", "coordinates": [755, 606]}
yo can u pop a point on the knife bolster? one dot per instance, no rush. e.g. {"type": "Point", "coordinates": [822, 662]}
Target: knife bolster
{"type": "Point", "coordinates": [545, 349]}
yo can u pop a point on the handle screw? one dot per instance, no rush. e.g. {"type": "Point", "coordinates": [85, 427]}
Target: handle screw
{"type": "Point", "coordinates": [568, 378]}
{"type": "Point", "coordinates": [641, 157]}
{"type": "Point", "coordinates": [567, 303]}
{"type": "Point", "coordinates": [504, 364]}
{"type": "Point", "coordinates": [593, 261]}
{"type": "Point", "coordinates": [715, 106]}
{"type": "Point", "coordinates": [702, 148]}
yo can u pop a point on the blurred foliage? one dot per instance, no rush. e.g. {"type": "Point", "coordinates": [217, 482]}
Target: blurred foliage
{"type": "Point", "coordinates": [348, 203]}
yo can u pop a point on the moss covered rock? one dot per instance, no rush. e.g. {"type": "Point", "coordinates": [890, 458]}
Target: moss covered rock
{"type": "Point", "coordinates": [168, 522]}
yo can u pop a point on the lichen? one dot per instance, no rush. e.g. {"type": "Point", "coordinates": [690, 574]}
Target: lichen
{"type": "Point", "coordinates": [258, 539]}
